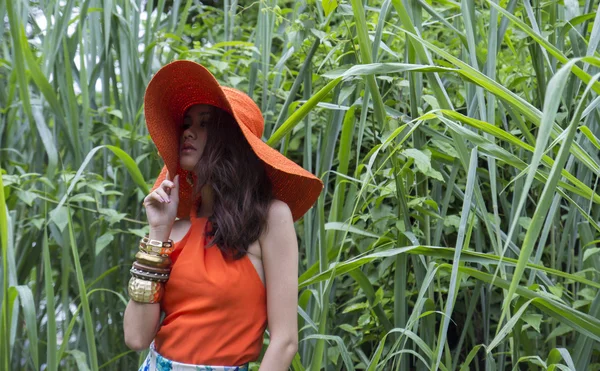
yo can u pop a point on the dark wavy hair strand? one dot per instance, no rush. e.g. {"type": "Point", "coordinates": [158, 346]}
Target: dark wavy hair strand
{"type": "Point", "coordinates": [242, 190]}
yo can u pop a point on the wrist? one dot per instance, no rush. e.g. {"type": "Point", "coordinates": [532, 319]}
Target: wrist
{"type": "Point", "coordinates": [161, 232]}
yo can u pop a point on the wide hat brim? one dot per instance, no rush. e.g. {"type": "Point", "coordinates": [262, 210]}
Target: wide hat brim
{"type": "Point", "coordinates": [181, 84]}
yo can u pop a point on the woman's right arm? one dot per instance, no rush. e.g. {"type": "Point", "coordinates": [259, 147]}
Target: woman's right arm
{"type": "Point", "coordinates": [142, 320]}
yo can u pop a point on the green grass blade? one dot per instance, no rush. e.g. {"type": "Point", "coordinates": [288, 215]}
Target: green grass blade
{"type": "Point", "coordinates": [541, 41]}
{"type": "Point", "coordinates": [87, 316]}
{"type": "Point", "coordinates": [549, 188]}
{"type": "Point", "coordinates": [129, 163]}
{"type": "Point", "coordinates": [551, 104]}
{"type": "Point", "coordinates": [4, 326]}
{"type": "Point", "coordinates": [502, 92]}
{"type": "Point", "coordinates": [295, 87]}
{"type": "Point", "coordinates": [508, 327]}
{"type": "Point", "coordinates": [28, 305]}
{"type": "Point", "coordinates": [341, 346]}
{"type": "Point", "coordinates": [460, 243]}
{"type": "Point", "coordinates": [51, 349]}
{"type": "Point", "coordinates": [383, 69]}
{"type": "Point", "coordinates": [19, 60]}
{"type": "Point", "coordinates": [581, 322]}
{"type": "Point", "coordinates": [300, 113]}
{"type": "Point", "coordinates": [365, 53]}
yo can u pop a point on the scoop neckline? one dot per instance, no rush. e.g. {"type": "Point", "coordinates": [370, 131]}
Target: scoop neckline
{"type": "Point", "coordinates": [189, 231]}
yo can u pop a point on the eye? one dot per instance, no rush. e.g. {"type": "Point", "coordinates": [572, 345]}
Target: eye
{"type": "Point", "coordinates": [186, 123]}
{"type": "Point", "coordinates": [204, 119]}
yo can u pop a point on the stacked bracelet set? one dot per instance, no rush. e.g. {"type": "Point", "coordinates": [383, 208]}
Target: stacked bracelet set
{"type": "Point", "coordinates": [150, 271]}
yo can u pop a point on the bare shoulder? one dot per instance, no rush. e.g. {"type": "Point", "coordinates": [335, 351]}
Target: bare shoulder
{"type": "Point", "coordinates": [180, 229]}
{"type": "Point", "coordinates": [279, 209]}
{"type": "Point", "coordinates": [280, 224]}
{"type": "Point", "coordinates": [279, 215]}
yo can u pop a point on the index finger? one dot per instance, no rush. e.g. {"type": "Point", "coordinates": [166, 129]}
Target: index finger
{"type": "Point", "coordinates": [167, 177]}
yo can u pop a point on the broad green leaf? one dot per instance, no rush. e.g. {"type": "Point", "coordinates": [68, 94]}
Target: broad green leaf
{"type": "Point", "coordinates": [26, 196]}
{"type": "Point", "coordinates": [60, 217]}
{"type": "Point", "coordinates": [329, 6]}
{"type": "Point", "coordinates": [533, 319]}
{"type": "Point", "coordinates": [103, 241]}
{"type": "Point", "coordinates": [423, 162]}
{"type": "Point", "coordinates": [348, 328]}
{"type": "Point", "coordinates": [589, 252]}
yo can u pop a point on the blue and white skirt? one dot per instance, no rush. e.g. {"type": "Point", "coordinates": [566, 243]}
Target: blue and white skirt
{"type": "Point", "coordinates": [155, 362]}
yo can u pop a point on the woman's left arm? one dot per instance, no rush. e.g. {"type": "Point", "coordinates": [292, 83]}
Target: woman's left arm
{"type": "Point", "coordinates": [280, 261]}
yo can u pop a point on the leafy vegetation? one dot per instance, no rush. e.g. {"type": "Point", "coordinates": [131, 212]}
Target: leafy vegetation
{"type": "Point", "coordinates": [458, 141]}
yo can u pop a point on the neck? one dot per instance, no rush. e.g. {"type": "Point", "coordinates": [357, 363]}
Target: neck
{"type": "Point", "coordinates": [206, 208]}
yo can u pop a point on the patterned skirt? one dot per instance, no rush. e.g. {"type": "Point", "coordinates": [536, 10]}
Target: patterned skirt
{"type": "Point", "coordinates": [155, 362]}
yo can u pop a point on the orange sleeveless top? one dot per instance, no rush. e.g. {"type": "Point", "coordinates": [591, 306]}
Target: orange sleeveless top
{"type": "Point", "coordinates": [216, 309]}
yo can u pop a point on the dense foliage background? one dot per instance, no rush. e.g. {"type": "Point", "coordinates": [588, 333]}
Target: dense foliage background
{"type": "Point", "coordinates": [458, 141]}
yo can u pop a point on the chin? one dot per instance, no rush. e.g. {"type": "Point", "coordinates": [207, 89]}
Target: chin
{"type": "Point", "coordinates": [188, 162]}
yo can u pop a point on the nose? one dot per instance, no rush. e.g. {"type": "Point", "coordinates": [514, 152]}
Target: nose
{"type": "Point", "coordinates": [188, 133]}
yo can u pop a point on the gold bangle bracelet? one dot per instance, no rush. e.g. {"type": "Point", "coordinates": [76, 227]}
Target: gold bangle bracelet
{"type": "Point", "coordinates": [155, 250]}
{"type": "Point", "coordinates": [143, 291]}
{"type": "Point", "coordinates": [153, 260]}
{"type": "Point", "coordinates": [148, 241]}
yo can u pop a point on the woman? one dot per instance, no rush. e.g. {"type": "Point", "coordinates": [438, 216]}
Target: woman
{"type": "Point", "coordinates": [228, 266]}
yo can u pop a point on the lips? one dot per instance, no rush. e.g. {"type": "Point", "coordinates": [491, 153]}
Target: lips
{"type": "Point", "coordinates": [188, 146]}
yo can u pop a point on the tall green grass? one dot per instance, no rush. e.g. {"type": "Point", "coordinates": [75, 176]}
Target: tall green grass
{"type": "Point", "coordinates": [458, 142]}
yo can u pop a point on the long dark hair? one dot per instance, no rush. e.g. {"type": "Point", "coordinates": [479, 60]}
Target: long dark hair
{"type": "Point", "coordinates": [242, 190]}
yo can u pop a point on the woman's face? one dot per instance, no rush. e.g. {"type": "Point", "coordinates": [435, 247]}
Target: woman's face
{"type": "Point", "coordinates": [193, 135]}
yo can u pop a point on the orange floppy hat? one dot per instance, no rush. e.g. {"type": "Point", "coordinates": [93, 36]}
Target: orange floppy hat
{"type": "Point", "coordinates": [181, 84]}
